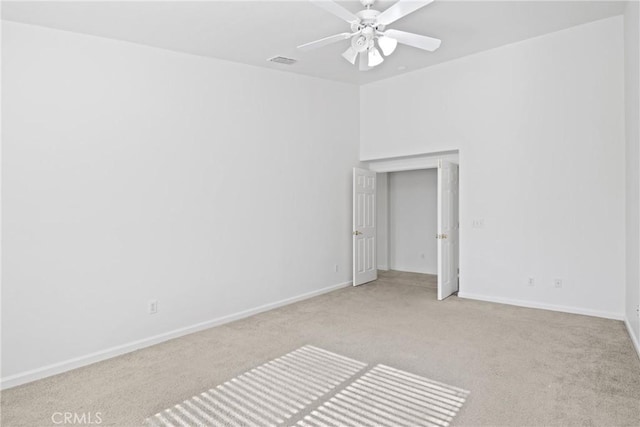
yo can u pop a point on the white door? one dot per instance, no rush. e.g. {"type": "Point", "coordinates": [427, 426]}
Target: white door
{"type": "Point", "coordinates": [447, 228]}
{"type": "Point", "coordinates": [364, 226]}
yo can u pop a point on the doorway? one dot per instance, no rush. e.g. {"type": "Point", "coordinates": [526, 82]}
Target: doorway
{"type": "Point", "coordinates": [408, 221]}
{"type": "Point", "coordinates": [414, 220]}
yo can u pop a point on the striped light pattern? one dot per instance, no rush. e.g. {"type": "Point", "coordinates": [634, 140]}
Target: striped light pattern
{"type": "Point", "coordinates": [389, 397]}
{"type": "Point", "coordinates": [268, 395]}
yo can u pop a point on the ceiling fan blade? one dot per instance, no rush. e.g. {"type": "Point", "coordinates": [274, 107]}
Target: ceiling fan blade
{"type": "Point", "coordinates": [335, 9]}
{"type": "Point", "coordinates": [400, 9]}
{"type": "Point", "coordinates": [363, 65]}
{"type": "Point", "coordinates": [414, 40]}
{"type": "Point", "coordinates": [325, 41]}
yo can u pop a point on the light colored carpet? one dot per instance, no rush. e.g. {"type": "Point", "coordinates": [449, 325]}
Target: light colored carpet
{"type": "Point", "coordinates": [407, 278]}
{"type": "Point", "coordinates": [290, 388]}
{"type": "Point", "coordinates": [525, 367]}
{"type": "Point", "coordinates": [267, 395]}
{"type": "Point", "coordinates": [389, 397]}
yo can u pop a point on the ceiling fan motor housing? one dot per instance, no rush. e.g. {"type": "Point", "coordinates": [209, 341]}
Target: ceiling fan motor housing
{"type": "Point", "coordinates": [368, 17]}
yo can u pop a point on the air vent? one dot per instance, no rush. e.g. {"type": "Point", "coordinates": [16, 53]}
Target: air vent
{"type": "Point", "coordinates": [282, 60]}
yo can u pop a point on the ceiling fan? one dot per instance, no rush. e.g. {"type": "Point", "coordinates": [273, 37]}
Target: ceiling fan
{"type": "Point", "coordinates": [369, 26]}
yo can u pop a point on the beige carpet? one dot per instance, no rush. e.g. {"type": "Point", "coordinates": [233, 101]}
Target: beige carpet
{"type": "Point", "coordinates": [524, 367]}
{"type": "Point", "coordinates": [388, 397]}
{"type": "Point", "coordinates": [268, 395]}
{"type": "Point", "coordinates": [412, 279]}
{"type": "Point", "coordinates": [312, 387]}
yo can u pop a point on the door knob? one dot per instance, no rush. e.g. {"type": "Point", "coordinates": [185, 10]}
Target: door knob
{"type": "Point", "coordinates": [356, 233]}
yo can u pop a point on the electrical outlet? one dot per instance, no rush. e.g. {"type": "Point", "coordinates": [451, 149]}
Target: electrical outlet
{"type": "Point", "coordinates": [152, 308]}
{"type": "Point", "coordinates": [557, 283]}
{"type": "Point", "coordinates": [532, 281]}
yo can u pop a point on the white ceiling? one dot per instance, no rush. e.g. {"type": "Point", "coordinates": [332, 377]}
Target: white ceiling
{"type": "Point", "coordinates": [252, 31]}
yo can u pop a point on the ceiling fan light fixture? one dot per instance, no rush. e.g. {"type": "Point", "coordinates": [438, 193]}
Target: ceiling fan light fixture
{"type": "Point", "coordinates": [350, 55]}
{"type": "Point", "coordinates": [359, 43]}
{"type": "Point", "coordinates": [387, 44]}
{"type": "Point", "coordinates": [374, 57]}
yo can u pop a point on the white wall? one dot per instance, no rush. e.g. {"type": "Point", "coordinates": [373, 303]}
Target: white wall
{"type": "Point", "coordinates": [413, 220]}
{"type": "Point", "coordinates": [382, 221]}
{"type": "Point", "coordinates": [540, 128]}
{"type": "Point", "coordinates": [632, 120]}
{"type": "Point", "coordinates": [132, 173]}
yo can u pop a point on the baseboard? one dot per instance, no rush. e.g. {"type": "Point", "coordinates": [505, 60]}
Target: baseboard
{"type": "Point", "coordinates": [633, 337]}
{"type": "Point", "coordinates": [543, 306]}
{"type": "Point", "coordinates": [78, 362]}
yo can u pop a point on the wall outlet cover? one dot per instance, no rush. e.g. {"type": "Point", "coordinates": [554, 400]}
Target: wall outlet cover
{"type": "Point", "coordinates": [152, 308]}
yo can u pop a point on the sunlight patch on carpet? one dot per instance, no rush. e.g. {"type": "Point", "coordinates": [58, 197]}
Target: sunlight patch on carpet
{"type": "Point", "coordinates": [267, 395]}
{"type": "Point", "coordinates": [389, 397]}
{"type": "Point", "coordinates": [312, 387]}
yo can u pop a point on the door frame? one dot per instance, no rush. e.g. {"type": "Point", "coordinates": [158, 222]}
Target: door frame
{"type": "Point", "coordinates": [418, 162]}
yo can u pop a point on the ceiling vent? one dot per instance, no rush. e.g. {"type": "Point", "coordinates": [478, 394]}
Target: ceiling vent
{"type": "Point", "coordinates": [282, 60]}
